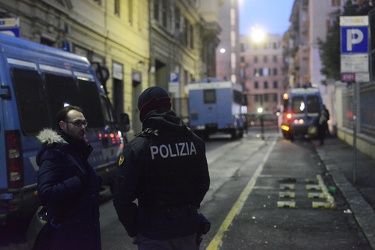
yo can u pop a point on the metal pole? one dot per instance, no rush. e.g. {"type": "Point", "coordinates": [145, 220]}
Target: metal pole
{"type": "Point", "coordinates": [262, 125]}
{"type": "Point", "coordinates": [355, 92]}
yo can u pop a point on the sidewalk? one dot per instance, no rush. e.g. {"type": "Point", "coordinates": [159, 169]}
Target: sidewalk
{"type": "Point", "coordinates": [338, 158]}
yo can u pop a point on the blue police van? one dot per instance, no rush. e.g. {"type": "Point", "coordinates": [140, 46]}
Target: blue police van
{"type": "Point", "coordinates": [35, 82]}
{"type": "Point", "coordinates": [216, 106]}
{"type": "Point", "coordinates": [301, 109]}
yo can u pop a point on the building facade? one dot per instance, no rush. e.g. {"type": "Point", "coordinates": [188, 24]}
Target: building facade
{"type": "Point", "coordinates": [261, 72]}
{"type": "Point", "coordinates": [112, 34]}
{"type": "Point", "coordinates": [228, 51]}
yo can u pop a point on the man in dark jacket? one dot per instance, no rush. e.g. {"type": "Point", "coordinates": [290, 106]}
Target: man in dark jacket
{"type": "Point", "coordinates": [67, 185]}
{"type": "Point", "coordinates": [323, 124]}
{"type": "Point", "coordinates": [165, 168]}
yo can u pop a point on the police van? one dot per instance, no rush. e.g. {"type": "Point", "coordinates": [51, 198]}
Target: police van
{"type": "Point", "coordinates": [35, 82]}
{"type": "Point", "coordinates": [301, 108]}
{"type": "Point", "coordinates": [216, 106]}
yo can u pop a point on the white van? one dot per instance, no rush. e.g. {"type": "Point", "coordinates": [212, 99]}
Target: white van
{"type": "Point", "coordinates": [35, 82]}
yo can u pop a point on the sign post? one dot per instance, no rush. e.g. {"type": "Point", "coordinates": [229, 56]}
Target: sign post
{"type": "Point", "coordinates": [354, 62]}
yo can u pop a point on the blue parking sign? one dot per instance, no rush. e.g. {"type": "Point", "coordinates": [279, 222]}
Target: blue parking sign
{"type": "Point", "coordinates": [354, 39]}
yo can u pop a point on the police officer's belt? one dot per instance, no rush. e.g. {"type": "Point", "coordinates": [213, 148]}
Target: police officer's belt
{"type": "Point", "coordinates": [170, 212]}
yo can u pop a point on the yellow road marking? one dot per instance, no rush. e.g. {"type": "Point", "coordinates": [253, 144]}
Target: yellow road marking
{"type": "Point", "coordinates": [216, 241]}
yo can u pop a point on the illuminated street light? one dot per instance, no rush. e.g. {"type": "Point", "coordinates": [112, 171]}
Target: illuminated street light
{"type": "Point", "coordinates": [258, 35]}
{"type": "Point", "coordinates": [222, 50]}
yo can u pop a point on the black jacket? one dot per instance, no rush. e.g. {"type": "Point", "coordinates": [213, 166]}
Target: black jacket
{"type": "Point", "coordinates": [165, 168]}
{"type": "Point", "coordinates": [69, 187]}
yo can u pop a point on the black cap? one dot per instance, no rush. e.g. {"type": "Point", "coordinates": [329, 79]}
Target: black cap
{"type": "Point", "coordinates": [153, 98]}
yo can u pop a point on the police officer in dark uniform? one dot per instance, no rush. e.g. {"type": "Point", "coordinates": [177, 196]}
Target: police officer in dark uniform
{"type": "Point", "coordinates": [165, 169]}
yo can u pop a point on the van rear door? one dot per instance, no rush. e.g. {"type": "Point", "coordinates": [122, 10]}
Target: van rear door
{"type": "Point", "coordinates": [210, 114]}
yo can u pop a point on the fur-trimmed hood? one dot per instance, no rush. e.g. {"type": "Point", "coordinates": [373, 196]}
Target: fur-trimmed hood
{"type": "Point", "coordinates": [49, 136]}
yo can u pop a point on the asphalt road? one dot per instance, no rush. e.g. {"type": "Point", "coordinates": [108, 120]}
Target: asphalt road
{"type": "Point", "coordinates": [265, 204]}
{"type": "Point", "coordinates": [258, 199]}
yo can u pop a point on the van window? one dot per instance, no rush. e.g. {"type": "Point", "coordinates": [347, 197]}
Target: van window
{"type": "Point", "coordinates": [107, 110]}
{"type": "Point", "coordinates": [313, 104]}
{"type": "Point", "coordinates": [30, 100]}
{"type": "Point", "coordinates": [298, 104]}
{"type": "Point", "coordinates": [209, 96]}
{"type": "Point", "coordinates": [61, 91]}
{"type": "Point", "coordinates": [90, 103]}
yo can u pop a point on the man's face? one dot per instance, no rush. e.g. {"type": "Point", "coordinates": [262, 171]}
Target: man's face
{"type": "Point", "coordinates": [75, 125]}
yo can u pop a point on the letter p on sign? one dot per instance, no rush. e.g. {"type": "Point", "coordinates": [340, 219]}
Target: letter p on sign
{"type": "Point", "coordinates": [354, 39]}
{"type": "Point", "coordinates": [353, 36]}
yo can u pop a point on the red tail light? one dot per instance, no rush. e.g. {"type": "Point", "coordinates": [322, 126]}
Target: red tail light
{"type": "Point", "coordinates": [14, 159]}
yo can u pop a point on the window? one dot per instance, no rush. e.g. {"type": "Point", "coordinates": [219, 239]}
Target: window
{"type": "Point", "coordinates": [177, 21]}
{"type": "Point", "coordinates": [335, 3]}
{"type": "Point", "coordinates": [209, 96]}
{"type": "Point", "coordinates": [265, 59]}
{"type": "Point", "coordinates": [266, 71]}
{"type": "Point", "coordinates": [256, 85]}
{"type": "Point", "coordinates": [165, 13]}
{"type": "Point", "coordinates": [185, 30]}
{"type": "Point", "coordinates": [47, 41]}
{"type": "Point", "coordinates": [313, 104]}
{"type": "Point", "coordinates": [242, 73]}
{"type": "Point", "coordinates": [242, 59]}
{"type": "Point", "coordinates": [191, 35]}
{"type": "Point", "coordinates": [156, 10]}
{"type": "Point", "coordinates": [265, 85]}
{"type": "Point", "coordinates": [298, 105]}
{"type": "Point", "coordinates": [117, 7]}
{"type": "Point", "coordinates": [266, 98]}
{"type": "Point", "coordinates": [130, 13]}
{"type": "Point", "coordinates": [255, 59]}
{"type": "Point", "coordinates": [275, 85]}
{"type": "Point", "coordinates": [31, 101]}
{"type": "Point", "coordinates": [98, 2]}
{"type": "Point", "coordinates": [275, 59]}
{"type": "Point", "coordinates": [275, 71]}
{"type": "Point", "coordinates": [61, 91]}
{"type": "Point", "coordinates": [88, 93]}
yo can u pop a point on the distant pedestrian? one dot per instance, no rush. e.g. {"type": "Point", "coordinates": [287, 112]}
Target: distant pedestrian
{"type": "Point", "coordinates": [165, 169]}
{"type": "Point", "coordinates": [68, 186]}
{"type": "Point", "coordinates": [323, 124]}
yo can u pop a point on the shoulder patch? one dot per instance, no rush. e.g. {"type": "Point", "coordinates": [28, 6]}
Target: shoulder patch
{"type": "Point", "coordinates": [121, 160]}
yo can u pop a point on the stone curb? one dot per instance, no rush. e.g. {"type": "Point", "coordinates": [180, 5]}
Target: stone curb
{"type": "Point", "coordinates": [363, 212]}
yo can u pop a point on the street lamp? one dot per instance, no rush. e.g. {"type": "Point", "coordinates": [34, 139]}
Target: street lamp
{"type": "Point", "coordinates": [258, 35]}
{"type": "Point", "coordinates": [261, 119]}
